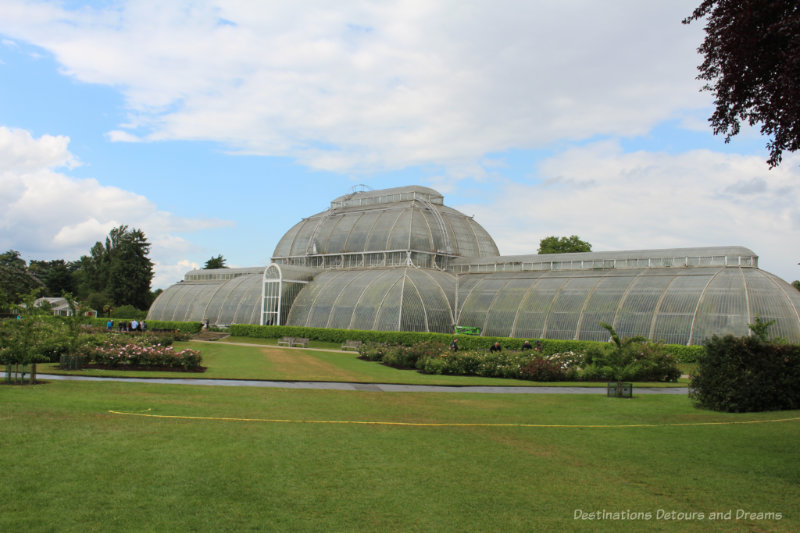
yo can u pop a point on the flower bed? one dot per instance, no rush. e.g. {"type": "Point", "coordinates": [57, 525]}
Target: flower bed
{"type": "Point", "coordinates": [131, 355]}
{"type": "Point", "coordinates": [515, 365]}
{"type": "Point", "coordinates": [636, 362]}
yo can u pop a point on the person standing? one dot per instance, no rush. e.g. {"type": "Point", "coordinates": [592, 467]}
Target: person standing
{"type": "Point", "coordinates": [496, 347]}
{"type": "Point", "coordinates": [454, 345]}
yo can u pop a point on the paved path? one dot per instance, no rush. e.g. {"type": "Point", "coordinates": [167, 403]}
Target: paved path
{"type": "Point", "coordinates": [377, 387]}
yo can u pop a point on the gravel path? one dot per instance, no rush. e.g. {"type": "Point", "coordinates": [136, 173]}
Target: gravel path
{"type": "Point", "coordinates": [377, 387]}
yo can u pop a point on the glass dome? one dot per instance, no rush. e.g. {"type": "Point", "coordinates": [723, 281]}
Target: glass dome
{"type": "Point", "coordinates": [394, 221]}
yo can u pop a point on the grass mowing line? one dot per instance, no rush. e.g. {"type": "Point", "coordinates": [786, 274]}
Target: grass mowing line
{"type": "Point", "coordinates": [450, 424]}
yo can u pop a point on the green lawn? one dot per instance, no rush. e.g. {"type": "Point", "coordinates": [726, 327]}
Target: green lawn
{"type": "Point", "coordinates": [269, 362]}
{"type": "Point", "coordinates": [239, 459]}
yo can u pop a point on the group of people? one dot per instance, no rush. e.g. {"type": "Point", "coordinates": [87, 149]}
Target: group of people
{"type": "Point", "coordinates": [125, 327]}
{"type": "Point", "coordinates": [497, 348]}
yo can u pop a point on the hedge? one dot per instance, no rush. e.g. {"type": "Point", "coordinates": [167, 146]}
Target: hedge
{"type": "Point", "coordinates": [746, 374]}
{"type": "Point", "coordinates": [684, 354]}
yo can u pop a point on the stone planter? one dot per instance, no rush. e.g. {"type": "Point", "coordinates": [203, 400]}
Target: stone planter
{"type": "Point", "coordinates": [619, 389]}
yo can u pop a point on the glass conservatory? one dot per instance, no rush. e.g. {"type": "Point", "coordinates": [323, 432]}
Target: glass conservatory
{"type": "Point", "coordinates": [400, 260]}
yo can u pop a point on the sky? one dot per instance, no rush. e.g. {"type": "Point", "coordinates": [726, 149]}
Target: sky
{"type": "Point", "coordinates": [215, 126]}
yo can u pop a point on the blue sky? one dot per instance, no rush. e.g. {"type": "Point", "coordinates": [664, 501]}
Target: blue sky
{"type": "Point", "coordinates": [215, 126]}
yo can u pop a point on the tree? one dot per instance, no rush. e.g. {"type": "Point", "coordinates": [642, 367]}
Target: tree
{"type": "Point", "coordinates": [752, 66]}
{"type": "Point", "coordinates": [21, 338]}
{"type": "Point", "coordinates": [117, 272]}
{"type": "Point", "coordinates": [563, 245]}
{"type": "Point", "coordinates": [796, 284]}
{"type": "Point", "coordinates": [131, 271]}
{"type": "Point", "coordinates": [215, 262]}
{"type": "Point", "coordinates": [760, 328]}
{"type": "Point", "coordinates": [15, 280]}
{"type": "Point", "coordinates": [56, 276]}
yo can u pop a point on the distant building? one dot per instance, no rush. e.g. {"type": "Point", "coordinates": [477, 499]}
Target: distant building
{"type": "Point", "coordinates": [60, 307]}
{"type": "Point", "coordinates": [400, 260]}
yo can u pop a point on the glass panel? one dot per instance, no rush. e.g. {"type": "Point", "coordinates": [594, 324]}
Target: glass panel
{"type": "Point", "coordinates": [339, 231]}
{"type": "Point", "coordinates": [534, 308]}
{"type": "Point", "coordinates": [413, 316]}
{"type": "Point", "coordinates": [378, 237]}
{"type": "Point", "coordinates": [377, 284]}
{"type": "Point", "coordinates": [503, 311]}
{"type": "Point", "coordinates": [357, 241]}
{"type": "Point", "coordinates": [421, 231]}
{"type": "Point", "coordinates": [675, 315]}
{"type": "Point", "coordinates": [476, 307]}
{"type": "Point", "coordinates": [562, 321]}
{"type": "Point", "coordinates": [723, 307]}
{"type": "Point", "coordinates": [637, 311]}
{"type": "Point", "coordinates": [602, 306]}
{"type": "Point", "coordinates": [352, 289]}
{"type": "Point", "coordinates": [388, 316]}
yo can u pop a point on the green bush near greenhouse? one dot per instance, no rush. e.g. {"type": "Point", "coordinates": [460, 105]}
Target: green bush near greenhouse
{"type": "Point", "coordinates": [746, 374]}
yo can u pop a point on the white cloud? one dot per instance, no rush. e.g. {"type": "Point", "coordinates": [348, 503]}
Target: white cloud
{"type": "Point", "coordinates": [20, 152]}
{"type": "Point", "coordinates": [49, 215]}
{"type": "Point", "coordinates": [644, 200]}
{"type": "Point", "coordinates": [168, 274]}
{"type": "Point", "coordinates": [370, 85]}
{"type": "Point", "coordinates": [122, 136]}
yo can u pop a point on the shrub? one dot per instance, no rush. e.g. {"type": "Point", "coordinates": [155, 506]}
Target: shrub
{"type": "Point", "coordinates": [372, 351]}
{"type": "Point", "coordinates": [631, 359]}
{"type": "Point", "coordinates": [399, 356]}
{"type": "Point", "coordinates": [746, 374]}
{"type": "Point", "coordinates": [554, 367]}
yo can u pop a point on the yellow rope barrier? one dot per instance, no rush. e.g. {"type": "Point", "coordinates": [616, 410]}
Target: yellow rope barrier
{"type": "Point", "coordinates": [448, 424]}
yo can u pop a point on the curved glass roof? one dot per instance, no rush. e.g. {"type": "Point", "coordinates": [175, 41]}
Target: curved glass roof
{"type": "Point", "coordinates": [233, 297]}
{"type": "Point", "coordinates": [397, 299]}
{"type": "Point", "coordinates": [679, 306]}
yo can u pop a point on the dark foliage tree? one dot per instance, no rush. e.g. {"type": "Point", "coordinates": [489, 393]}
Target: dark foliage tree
{"type": "Point", "coordinates": [15, 280]}
{"type": "Point", "coordinates": [56, 276]}
{"type": "Point", "coordinates": [216, 262]}
{"type": "Point", "coordinates": [131, 270]}
{"type": "Point", "coordinates": [563, 245]}
{"type": "Point", "coordinates": [796, 284]}
{"type": "Point", "coordinates": [117, 272]}
{"type": "Point", "coordinates": [12, 258]}
{"type": "Point", "coordinates": [752, 66]}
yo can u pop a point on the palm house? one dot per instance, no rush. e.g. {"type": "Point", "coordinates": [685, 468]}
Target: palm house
{"type": "Point", "coordinates": [400, 260]}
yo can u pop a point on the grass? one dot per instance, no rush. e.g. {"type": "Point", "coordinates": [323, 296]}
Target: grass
{"type": "Point", "coordinates": [70, 464]}
{"type": "Point", "coordinates": [269, 362]}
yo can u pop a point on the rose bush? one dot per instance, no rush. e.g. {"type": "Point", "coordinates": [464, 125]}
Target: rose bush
{"type": "Point", "coordinates": [138, 355]}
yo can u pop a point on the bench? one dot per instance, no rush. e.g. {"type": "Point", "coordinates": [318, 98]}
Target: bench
{"type": "Point", "coordinates": [299, 341]}
{"type": "Point", "coordinates": [285, 341]}
{"type": "Point", "coordinates": [351, 345]}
